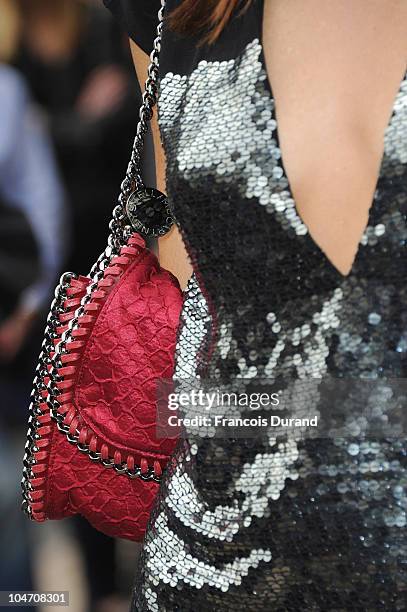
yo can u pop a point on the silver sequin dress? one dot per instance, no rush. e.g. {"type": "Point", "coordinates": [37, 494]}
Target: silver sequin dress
{"type": "Point", "coordinates": [276, 524]}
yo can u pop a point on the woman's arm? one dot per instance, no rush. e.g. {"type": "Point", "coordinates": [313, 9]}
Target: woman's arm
{"type": "Point", "coordinates": [172, 252]}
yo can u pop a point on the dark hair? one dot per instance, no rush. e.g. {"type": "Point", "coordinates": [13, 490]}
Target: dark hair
{"type": "Point", "coordinates": [205, 17]}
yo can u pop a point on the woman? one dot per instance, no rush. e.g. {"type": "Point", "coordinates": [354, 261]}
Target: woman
{"type": "Point", "coordinates": [284, 126]}
{"type": "Point", "coordinates": [73, 57]}
{"type": "Point", "coordinates": [29, 182]}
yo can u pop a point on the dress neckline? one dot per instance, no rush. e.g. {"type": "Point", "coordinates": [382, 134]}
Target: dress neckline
{"type": "Point", "coordinates": [306, 235]}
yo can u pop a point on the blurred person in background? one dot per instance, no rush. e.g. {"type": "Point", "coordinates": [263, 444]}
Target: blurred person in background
{"type": "Point", "coordinates": [29, 183]}
{"type": "Point", "coordinates": [31, 251]}
{"type": "Point", "coordinates": [77, 64]}
{"type": "Point", "coordinates": [79, 70]}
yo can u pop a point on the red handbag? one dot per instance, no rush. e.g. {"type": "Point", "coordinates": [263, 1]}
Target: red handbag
{"type": "Point", "coordinates": [92, 447]}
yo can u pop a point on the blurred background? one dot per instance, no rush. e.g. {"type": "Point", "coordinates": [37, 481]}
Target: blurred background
{"type": "Point", "coordinates": [68, 108]}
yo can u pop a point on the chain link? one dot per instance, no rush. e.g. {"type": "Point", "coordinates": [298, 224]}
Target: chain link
{"type": "Point", "coordinates": [133, 179]}
{"type": "Point", "coordinates": [120, 230]}
{"type": "Point", "coordinates": [39, 386]}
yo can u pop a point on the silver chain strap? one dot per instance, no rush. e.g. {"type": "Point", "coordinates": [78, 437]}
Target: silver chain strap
{"type": "Point", "coordinates": [39, 386]}
{"type": "Point", "coordinates": [149, 100]}
{"type": "Point", "coordinates": [132, 188]}
{"type": "Point", "coordinates": [135, 198]}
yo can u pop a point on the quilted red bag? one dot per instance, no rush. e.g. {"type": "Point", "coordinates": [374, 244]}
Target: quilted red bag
{"type": "Point", "coordinates": [92, 447]}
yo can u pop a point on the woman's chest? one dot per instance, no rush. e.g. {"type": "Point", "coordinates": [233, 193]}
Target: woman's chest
{"type": "Point", "coordinates": [312, 174]}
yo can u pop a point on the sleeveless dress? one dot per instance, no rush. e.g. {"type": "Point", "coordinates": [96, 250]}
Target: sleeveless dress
{"type": "Point", "coordinates": [275, 523]}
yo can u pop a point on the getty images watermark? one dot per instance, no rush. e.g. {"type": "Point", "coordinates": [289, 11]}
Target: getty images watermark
{"type": "Point", "coordinates": [246, 408]}
{"type": "Point", "coordinates": [212, 401]}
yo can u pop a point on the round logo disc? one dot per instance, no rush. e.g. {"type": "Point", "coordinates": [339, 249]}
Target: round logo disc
{"type": "Point", "coordinates": [149, 212]}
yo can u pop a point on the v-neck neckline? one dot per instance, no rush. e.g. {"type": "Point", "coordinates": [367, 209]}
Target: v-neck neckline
{"type": "Point", "coordinates": [280, 162]}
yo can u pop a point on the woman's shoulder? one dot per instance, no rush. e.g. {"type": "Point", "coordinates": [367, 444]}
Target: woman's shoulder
{"type": "Point", "coordinates": [182, 53]}
{"type": "Point", "coordinates": [139, 18]}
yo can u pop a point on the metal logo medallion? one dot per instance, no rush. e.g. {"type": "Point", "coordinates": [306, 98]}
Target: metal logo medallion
{"type": "Point", "coordinates": [149, 212]}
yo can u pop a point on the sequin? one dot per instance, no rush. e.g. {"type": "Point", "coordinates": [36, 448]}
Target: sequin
{"type": "Point", "coordinates": [277, 524]}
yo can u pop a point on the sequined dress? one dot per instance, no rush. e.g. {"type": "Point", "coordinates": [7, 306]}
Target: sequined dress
{"type": "Point", "coordinates": [274, 524]}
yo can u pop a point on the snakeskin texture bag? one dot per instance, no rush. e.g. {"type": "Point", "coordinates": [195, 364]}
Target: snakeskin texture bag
{"type": "Point", "coordinates": [92, 447]}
